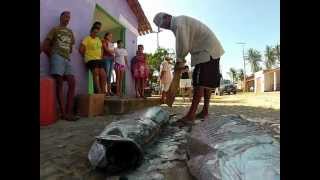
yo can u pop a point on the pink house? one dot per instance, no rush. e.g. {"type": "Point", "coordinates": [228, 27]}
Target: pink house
{"type": "Point", "coordinates": [124, 18]}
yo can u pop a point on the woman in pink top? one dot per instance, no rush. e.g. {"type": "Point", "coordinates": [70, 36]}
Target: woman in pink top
{"type": "Point", "coordinates": [140, 71]}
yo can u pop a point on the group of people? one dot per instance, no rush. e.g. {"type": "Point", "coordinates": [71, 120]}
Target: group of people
{"type": "Point", "coordinates": [100, 57]}
{"type": "Point", "coordinates": [192, 36]}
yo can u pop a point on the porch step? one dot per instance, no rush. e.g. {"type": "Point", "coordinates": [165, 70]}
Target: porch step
{"type": "Point", "coordinates": [116, 105]}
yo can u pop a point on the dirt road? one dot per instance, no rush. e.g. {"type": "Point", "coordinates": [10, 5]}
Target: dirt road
{"type": "Point", "coordinates": [261, 107]}
{"type": "Point", "coordinates": [64, 146]}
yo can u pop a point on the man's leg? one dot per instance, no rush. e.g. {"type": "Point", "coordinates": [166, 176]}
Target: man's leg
{"type": "Point", "coordinates": [70, 97]}
{"type": "Point", "coordinates": [206, 97]}
{"type": "Point", "coordinates": [59, 94]}
{"type": "Point", "coordinates": [197, 94]}
{"type": "Point", "coordinates": [57, 69]}
{"type": "Point", "coordinates": [209, 77]}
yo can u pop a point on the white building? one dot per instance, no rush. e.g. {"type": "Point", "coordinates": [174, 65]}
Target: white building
{"type": "Point", "coordinates": [267, 80]}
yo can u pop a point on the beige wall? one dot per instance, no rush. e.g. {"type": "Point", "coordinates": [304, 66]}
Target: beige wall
{"type": "Point", "coordinates": [268, 81]}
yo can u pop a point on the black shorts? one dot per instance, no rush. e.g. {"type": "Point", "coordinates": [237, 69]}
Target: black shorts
{"type": "Point", "coordinates": [95, 64]}
{"type": "Point", "coordinates": [207, 74]}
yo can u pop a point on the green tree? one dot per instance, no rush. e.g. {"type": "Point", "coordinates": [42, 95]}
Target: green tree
{"type": "Point", "coordinates": [233, 74]}
{"type": "Point", "coordinates": [254, 58]}
{"type": "Point", "coordinates": [277, 52]}
{"type": "Point", "coordinates": [270, 57]}
{"type": "Point", "coordinates": [155, 59]}
{"type": "Point", "coordinates": [240, 74]}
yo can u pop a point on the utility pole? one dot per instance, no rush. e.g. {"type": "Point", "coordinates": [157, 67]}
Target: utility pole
{"type": "Point", "coordinates": [244, 65]}
{"type": "Point", "coordinates": [158, 46]}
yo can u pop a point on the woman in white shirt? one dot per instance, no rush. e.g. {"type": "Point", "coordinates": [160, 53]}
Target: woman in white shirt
{"type": "Point", "coordinates": [121, 63]}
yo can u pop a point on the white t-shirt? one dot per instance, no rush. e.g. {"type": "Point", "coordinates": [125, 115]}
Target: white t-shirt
{"type": "Point", "coordinates": [111, 46]}
{"type": "Point", "coordinates": [120, 53]}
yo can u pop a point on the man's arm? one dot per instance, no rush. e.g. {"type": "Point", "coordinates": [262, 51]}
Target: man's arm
{"type": "Point", "coordinates": [46, 47]}
{"type": "Point", "coordinates": [47, 44]}
{"type": "Point", "coordinates": [182, 45]}
{"type": "Point", "coordinates": [72, 42]}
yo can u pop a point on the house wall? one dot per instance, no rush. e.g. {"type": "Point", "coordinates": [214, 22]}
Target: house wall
{"type": "Point", "coordinates": [125, 16]}
{"type": "Point", "coordinates": [268, 81]}
{"type": "Point", "coordinates": [82, 12]}
{"type": "Point", "coordinates": [258, 87]}
{"type": "Point", "coordinates": [278, 80]}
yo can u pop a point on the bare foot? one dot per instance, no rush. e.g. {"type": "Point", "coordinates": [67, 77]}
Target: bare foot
{"type": "Point", "coordinates": [202, 115]}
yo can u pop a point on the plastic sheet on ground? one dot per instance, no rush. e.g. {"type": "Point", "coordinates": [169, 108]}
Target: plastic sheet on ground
{"type": "Point", "coordinates": [231, 148]}
{"type": "Point", "coordinates": [119, 147]}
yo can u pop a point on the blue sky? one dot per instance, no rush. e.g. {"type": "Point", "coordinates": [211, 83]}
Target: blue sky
{"type": "Point", "coordinates": [256, 22]}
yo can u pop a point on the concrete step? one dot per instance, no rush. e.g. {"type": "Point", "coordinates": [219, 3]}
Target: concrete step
{"type": "Point", "coordinates": [116, 105]}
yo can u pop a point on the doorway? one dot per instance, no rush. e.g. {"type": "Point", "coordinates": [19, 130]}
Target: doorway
{"type": "Point", "coordinates": [110, 24]}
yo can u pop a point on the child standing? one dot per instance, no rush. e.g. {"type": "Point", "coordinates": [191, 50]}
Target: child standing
{"type": "Point", "coordinates": [121, 64]}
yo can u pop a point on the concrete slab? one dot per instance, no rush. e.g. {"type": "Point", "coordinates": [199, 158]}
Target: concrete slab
{"type": "Point", "coordinates": [116, 105]}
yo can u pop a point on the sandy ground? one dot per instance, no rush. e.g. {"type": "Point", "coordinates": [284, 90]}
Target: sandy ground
{"type": "Point", "coordinates": [64, 145]}
{"type": "Point", "coordinates": [263, 108]}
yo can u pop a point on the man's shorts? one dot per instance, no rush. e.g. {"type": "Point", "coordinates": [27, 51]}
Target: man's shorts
{"type": "Point", "coordinates": [165, 86]}
{"type": "Point", "coordinates": [185, 83]}
{"type": "Point", "coordinates": [92, 64]}
{"type": "Point", "coordinates": [207, 74]}
{"type": "Point", "coordinates": [60, 65]}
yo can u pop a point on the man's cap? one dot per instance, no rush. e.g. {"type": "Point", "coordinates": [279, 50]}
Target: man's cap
{"type": "Point", "coordinates": [158, 18]}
